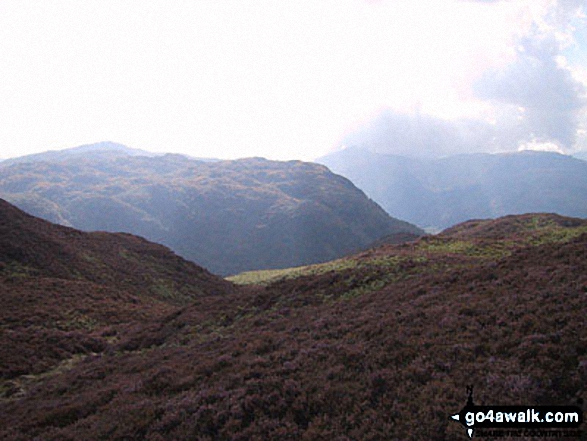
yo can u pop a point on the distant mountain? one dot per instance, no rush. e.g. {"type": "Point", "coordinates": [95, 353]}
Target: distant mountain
{"type": "Point", "coordinates": [100, 150]}
{"type": "Point", "coordinates": [437, 193]}
{"type": "Point", "coordinates": [581, 155]}
{"type": "Point", "coordinates": [66, 293]}
{"type": "Point", "coordinates": [97, 151]}
{"type": "Point", "coordinates": [228, 216]}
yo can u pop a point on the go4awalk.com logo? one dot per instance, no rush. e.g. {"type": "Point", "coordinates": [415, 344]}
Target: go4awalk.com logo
{"type": "Point", "coordinates": [519, 420]}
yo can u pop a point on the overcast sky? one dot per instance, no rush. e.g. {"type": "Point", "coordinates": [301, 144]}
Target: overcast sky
{"type": "Point", "coordinates": [292, 79]}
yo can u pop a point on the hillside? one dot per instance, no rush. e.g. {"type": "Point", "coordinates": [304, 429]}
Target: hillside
{"type": "Point", "coordinates": [380, 345]}
{"type": "Point", "coordinates": [438, 193]}
{"type": "Point", "coordinates": [228, 216]}
{"type": "Point", "coordinates": [65, 292]}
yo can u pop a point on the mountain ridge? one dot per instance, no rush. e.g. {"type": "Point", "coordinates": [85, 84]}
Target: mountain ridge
{"type": "Point", "coordinates": [228, 216]}
{"type": "Point", "coordinates": [438, 193]}
{"type": "Point", "coordinates": [94, 150]}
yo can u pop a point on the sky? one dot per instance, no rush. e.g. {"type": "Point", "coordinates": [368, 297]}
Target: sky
{"type": "Point", "coordinates": [293, 79]}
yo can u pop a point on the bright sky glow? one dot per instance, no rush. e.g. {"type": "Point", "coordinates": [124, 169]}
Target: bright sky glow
{"type": "Point", "coordinates": [228, 79]}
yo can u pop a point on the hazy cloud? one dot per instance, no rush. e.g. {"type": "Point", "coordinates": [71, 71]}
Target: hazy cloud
{"type": "Point", "coordinates": [420, 135]}
{"type": "Point", "coordinates": [567, 10]}
{"type": "Point", "coordinates": [286, 79]}
{"type": "Point", "coordinates": [548, 96]}
{"type": "Point", "coordinates": [538, 101]}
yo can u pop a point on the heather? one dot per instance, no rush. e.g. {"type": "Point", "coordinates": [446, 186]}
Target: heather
{"type": "Point", "coordinates": [379, 345]}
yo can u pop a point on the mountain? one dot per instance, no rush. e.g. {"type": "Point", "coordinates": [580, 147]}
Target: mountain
{"type": "Point", "coordinates": [65, 292]}
{"type": "Point", "coordinates": [228, 216]}
{"type": "Point", "coordinates": [438, 193]}
{"type": "Point", "coordinates": [378, 345]}
{"type": "Point", "coordinates": [581, 155]}
{"type": "Point", "coordinates": [97, 151]}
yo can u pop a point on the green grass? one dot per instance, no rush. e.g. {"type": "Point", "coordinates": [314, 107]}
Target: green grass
{"type": "Point", "coordinates": [372, 274]}
{"type": "Point", "coordinates": [538, 231]}
{"type": "Point", "coordinates": [166, 290]}
{"type": "Point", "coordinates": [265, 277]}
{"type": "Point", "coordinates": [128, 255]}
{"type": "Point", "coordinates": [74, 321]}
{"type": "Point", "coordinates": [556, 235]}
{"type": "Point", "coordinates": [16, 269]}
{"type": "Point", "coordinates": [481, 249]}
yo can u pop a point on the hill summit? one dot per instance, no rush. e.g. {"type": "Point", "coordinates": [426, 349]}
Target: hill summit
{"type": "Point", "coordinates": [98, 150]}
{"type": "Point", "coordinates": [228, 216]}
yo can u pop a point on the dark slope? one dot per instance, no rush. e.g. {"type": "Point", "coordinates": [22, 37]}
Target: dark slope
{"type": "Point", "coordinates": [438, 193]}
{"type": "Point", "coordinates": [377, 346]}
{"type": "Point", "coordinates": [30, 246]}
{"type": "Point", "coordinates": [65, 292]}
{"type": "Point", "coordinates": [227, 216]}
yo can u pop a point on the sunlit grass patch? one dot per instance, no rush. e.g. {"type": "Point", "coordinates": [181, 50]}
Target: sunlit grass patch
{"type": "Point", "coordinates": [470, 248]}
{"type": "Point", "coordinates": [265, 277]}
{"type": "Point", "coordinates": [556, 235]}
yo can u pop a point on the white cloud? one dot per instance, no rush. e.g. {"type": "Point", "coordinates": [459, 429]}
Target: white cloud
{"type": "Point", "coordinates": [539, 146]}
{"type": "Point", "coordinates": [548, 93]}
